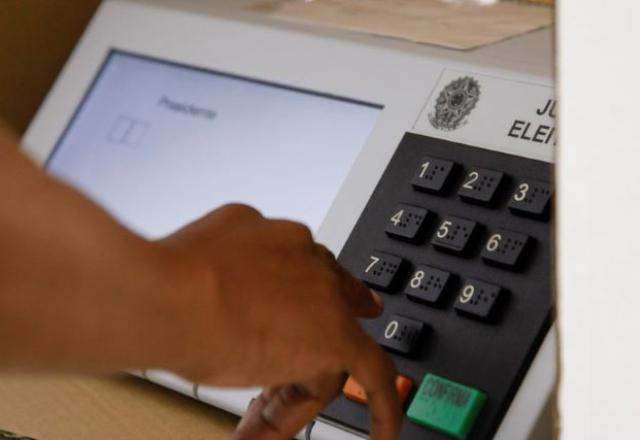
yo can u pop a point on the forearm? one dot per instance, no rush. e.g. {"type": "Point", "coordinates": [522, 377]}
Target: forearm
{"type": "Point", "coordinates": [77, 290]}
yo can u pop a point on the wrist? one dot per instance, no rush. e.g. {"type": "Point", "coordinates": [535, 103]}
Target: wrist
{"type": "Point", "coordinates": [184, 319]}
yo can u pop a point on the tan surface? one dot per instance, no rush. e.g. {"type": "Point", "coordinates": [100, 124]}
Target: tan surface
{"type": "Point", "coordinates": [123, 408]}
{"type": "Point", "coordinates": [458, 26]}
{"type": "Point", "coordinates": [36, 37]}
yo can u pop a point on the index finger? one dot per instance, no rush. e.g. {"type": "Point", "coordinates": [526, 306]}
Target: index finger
{"type": "Point", "coordinates": [364, 302]}
{"type": "Point", "coordinates": [375, 371]}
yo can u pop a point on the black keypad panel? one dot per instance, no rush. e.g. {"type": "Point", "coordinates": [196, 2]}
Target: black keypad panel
{"type": "Point", "coordinates": [478, 299]}
{"type": "Point", "coordinates": [406, 222]}
{"type": "Point", "coordinates": [531, 198]}
{"type": "Point", "coordinates": [466, 286]}
{"type": "Point", "coordinates": [402, 335]}
{"type": "Point", "coordinates": [505, 248]}
{"type": "Point", "coordinates": [379, 270]}
{"type": "Point", "coordinates": [427, 284]}
{"type": "Point", "coordinates": [433, 175]}
{"type": "Point", "coordinates": [480, 186]}
{"type": "Point", "coordinates": [454, 234]}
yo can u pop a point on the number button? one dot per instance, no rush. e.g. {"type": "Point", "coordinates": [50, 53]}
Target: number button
{"type": "Point", "coordinates": [427, 284]}
{"type": "Point", "coordinates": [454, 234]}
{"type": "Point", "coordinates": [433, 175]}
{"type": "Point", "coordinates": [480, 186]}
{"type": "Point", "coordinates": [478, 299]}
{"type": "Point", "coordinates": [505, 248]}
{"type": "Point", "coordinates": [406, 222]}
{"type": "Point", "coordinates": [380, 270]}
{"type": "Point", "coordinates": [401, 334]}
{"type": "Point", "coordinates": [531, 199]}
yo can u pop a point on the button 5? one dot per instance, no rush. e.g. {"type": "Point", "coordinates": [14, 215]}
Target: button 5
{"type": "Point", "coordinates": [480, 186]}
{"type": "Point", "coordinates": [354, 391]}
{"type": "Point", "coordinates": [454, 234]}
{"type": "Point", "coordinates": [380, 270]}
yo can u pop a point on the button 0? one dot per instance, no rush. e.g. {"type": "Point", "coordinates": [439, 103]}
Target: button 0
{"type": "Point", "coordinates": [402, 335]}
{"type": "Point", "coordinates": [433, 175]}
{"type": "Point", "coordinates": [354, 391]}
{"type": "Point", "coordinates": [380, 270]}
{"type": "Point", "coordinates": [478, 299]}
{"type": "Point", "coordinates": [454, 234]}
{"type": "Point", "coordinates": [446, 406]}
{"type": "Point", "coordinates": [505, 248]}
{"type": "Point", "coordinates": [407, 222]}
{"type": "Point", "coordinates": [480, 186]}
{"type": "Point", "coordinates": [531, 199]}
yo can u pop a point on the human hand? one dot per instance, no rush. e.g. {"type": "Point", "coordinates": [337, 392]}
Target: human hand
{"type": "Point", "coordinates": [278, 311]}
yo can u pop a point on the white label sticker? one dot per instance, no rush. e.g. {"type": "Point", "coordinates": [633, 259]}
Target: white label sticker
{"type": "Point", "coordinates": [494, 113]}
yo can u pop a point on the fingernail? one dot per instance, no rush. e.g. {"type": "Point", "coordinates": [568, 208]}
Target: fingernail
{"type": "Point", "coordinates": [377, 299]}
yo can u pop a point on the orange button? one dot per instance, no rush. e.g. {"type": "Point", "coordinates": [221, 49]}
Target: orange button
{"type": "Point", "coordinates": [354, 391]}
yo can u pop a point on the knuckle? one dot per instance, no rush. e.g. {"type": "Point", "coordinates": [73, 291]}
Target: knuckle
{"type": "Point", "coordinates": [241, 210]}
{"type": "Point", "coordinates": [298, 231]}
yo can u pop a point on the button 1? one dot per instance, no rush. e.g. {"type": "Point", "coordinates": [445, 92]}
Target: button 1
{"type": "Point", "coordinates": [446, 406]}
{"type": "Point", "coordinates": [505, 248]}
{"type": "Point", "coordinates": [454, 234]}
{"type": "Point", "coordinates": [531, 199]}
{"type": "Point", "coordinates": [480, 186]}
{"type": "Point", "coordinates": [354, 391]}
{"type": "Point", "coordinates": [433, 175]}
{"type": "Point", "coordinates": [427, 284]}
{"type": "Point", "coordinates": [406, 222]}
{"type": "Point", "coordinates": [379, 270]}
{"type": "Point", "coordinates": [478, 299]}
{"type": "Point", "coordinates": [401, 334]}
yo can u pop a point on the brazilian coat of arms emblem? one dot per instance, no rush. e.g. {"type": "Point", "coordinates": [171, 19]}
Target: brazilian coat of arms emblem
{"type": "Point", "coordinates": [454, 104]}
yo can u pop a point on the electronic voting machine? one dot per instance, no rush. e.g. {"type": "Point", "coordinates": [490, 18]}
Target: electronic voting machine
{"type": "Point", "coordinates": [427, 170]}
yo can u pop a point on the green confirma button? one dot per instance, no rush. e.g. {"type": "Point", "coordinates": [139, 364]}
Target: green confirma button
{"type": "Point", "coordinates": [446, 406]}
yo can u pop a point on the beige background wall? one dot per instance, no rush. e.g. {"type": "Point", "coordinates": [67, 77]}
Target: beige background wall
{"type": "Point", "coordinates": [36, 37]}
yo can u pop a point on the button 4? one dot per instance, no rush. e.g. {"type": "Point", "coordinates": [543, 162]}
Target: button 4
{"type": "Point", "coordinates": [402, 334]}
{"type": "Point", "coordinates": [478, 299]}
{"type": "Point", "coordinates": [427, 284]}
{"type": "Point", "coordinates": [354, 391]}
{"type": "Point", "coordinates": [433, 175]}
{"type": "Point", "coordinates": [446, 406]}
{"type": "Point", "coordinates": [406, 222]}
{"type": "Point", "coordinates": [380, 270]}
{"type": "Point", "coordinates": [505, 248]}
{"type": "Point", "coordinates": [480, 186]}
{"type": "Point", "coordinates": [454, 234]}
{"type": "Point", "coordinates": [531, 198]}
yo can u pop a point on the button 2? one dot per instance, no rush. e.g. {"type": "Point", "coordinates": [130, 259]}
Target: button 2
{"type": "Point", "coordinates": [478, 299]}
{"type": "Point", "coordinates": [505, 248]}
{"type": "Point", "coordinates": [379, 270]}
{"type": "Point", "coordinates": [531, 199]}
{"type": "Point", "coordinates": [406, 222]}
{"type": "Point", "coordinates": [427, 284]}
{"type": "Point", "coordinates": [454, 234]}
{"type": "Point", "coordinates": [432, 175]}
{"type": "Point", "coordinates": [401, 334]}
{"type": "Point", "coordinates": [480, 186]}
{"type": "Point", "coordinates": [446, 406]}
